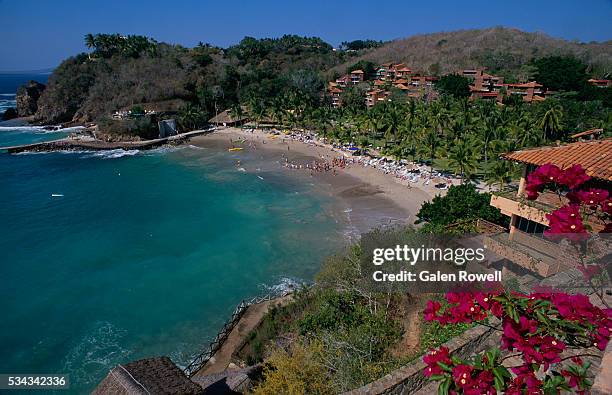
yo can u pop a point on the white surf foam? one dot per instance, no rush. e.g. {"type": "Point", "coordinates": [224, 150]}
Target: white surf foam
{"type": "Point", "coordinates": [113, 154]}
{"type": "Point", "coordinates": [286, 284]}
{"type": "Point", "coordinates": [95, 353]}
{"type": "Point", "coordinates": [39, 129]}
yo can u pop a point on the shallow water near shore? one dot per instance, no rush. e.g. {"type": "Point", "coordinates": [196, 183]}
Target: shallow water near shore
{"type": "Point", "coordinates": [113, 256]}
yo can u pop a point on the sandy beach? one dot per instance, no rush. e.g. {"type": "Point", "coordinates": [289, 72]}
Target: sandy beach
{"type": "Point", "coordinates": [380, 195]}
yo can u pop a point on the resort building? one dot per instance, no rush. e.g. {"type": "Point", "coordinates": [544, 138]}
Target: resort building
{"type": "Point", "coordinates": [336, 96]}
{"type": "Point", "coordinates": [491, 87]}
{"type": "Point", "coordinates": [600, 83]}
{"type": "Point", "coordinates": [376, 96]}
{"type": "Point", "coordinates": [590, 134]}
{"type": "Point", "coordinates": [343, 81]}
{"type": "Point", "coordinates": [385, 71]}
{"type": "Point", "coordinates": [357, 76]}
{"type": "Point", "coordinates": [530, 91]}
{"type": "Point", "coordinates": [485, 86]}
{"type": "Point", "coordinates": [402, 71]}
{"type": "Point", "coordinates": [523, 243]}
{"type": "Point", "coordinates": [228, 118]}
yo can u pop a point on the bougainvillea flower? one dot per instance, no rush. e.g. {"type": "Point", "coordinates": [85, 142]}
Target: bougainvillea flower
{"type": "Point", "coordinates": [542, 176]}
{"type": "Point", "coordinates": [462, 375]}
{"type": "Point", "coordinates": [566, 222]}
{"type": "Point", "coordinates": [433, 357]}
{"type": "Point", "coordinates": [590, 197]}
{"type": "Point", "coordinates": [573, 177]}
{"type": "Point", "coordinates": [431, 311]}
{"type": "Point", "coordinates": [590, 271]}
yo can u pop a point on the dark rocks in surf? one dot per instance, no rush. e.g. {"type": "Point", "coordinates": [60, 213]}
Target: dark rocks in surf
{"type": "Point", "coordinates": [9, 114]}
{"type": "Point", "coordinates": [27, 98]}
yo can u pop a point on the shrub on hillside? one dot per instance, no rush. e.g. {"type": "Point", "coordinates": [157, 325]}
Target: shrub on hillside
{"type": "Point", "coordinates": [461, 203]}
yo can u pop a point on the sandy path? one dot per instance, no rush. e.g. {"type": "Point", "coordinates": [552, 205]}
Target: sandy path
{"type": "Point", "coordinates": [248, 322]}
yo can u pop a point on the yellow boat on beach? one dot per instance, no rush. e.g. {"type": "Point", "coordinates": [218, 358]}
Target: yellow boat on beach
{"type": "Point", "coordinates": [235, 149]}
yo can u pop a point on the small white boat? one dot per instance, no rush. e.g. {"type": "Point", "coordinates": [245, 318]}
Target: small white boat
{"type": "Point", "coordinates": [57, 195]}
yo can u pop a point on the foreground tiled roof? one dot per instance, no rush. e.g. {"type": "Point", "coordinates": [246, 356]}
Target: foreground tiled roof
{"type": "Point", "coordinates": [148, 376]}
{"type": "Point", "coordinates": [594, 156]}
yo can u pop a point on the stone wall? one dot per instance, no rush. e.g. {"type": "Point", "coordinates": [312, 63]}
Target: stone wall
{"type": "Point", "coordinates": [410, 379]}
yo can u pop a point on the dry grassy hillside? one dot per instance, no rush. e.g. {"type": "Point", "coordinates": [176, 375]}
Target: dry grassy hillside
{"type": "Point", "coordinates": [499, 49]}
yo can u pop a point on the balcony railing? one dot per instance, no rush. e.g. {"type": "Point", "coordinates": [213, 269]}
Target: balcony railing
{"type": "Point", "coordinates": [533, 253]}
{"type": "Point", "coordinates": [547, 201]}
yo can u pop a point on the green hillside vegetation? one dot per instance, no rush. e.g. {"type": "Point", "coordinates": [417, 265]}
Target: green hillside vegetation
{"type": "Point", "coordinates": [123, 71]}
{"type": "Point", "coordinates": [342, 333]}
{"type": "Point", "coordinates": [502, 51]}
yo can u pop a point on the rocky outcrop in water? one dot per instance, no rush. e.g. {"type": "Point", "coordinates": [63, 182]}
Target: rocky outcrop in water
{"type": "Point", "coordinates": [27, 98]}
{"type": "Point", "coordinates": [10, 113]}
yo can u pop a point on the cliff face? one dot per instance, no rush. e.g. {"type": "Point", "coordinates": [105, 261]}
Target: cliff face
{"type": "Point", "coordinates": [27, 98]}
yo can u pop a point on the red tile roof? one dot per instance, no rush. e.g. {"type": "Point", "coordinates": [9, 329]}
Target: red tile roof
{"type": "Point", "coordinates": [594, 156]}
{"type": "Point", "coordinates": [586, 133]}
{"type": "Point", "coordinates": [530, 84]}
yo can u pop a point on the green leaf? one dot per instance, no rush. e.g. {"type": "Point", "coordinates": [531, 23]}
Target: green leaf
{"type": "Point", "coordinates": [499, 384]}
{"type": "Point", "coordinates": [444, 386]}
{"type": "Point", "coordinates": [502, 372]}
{"type": "Point", "coordinates": [445, 367]}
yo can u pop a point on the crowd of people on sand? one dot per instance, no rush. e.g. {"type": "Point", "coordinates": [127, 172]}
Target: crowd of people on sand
{"type": "Point", "coordinates": [407, 171]}
{"type": "Point", "coordinates": [326, 164]}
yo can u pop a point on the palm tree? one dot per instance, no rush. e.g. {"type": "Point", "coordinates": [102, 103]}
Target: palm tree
{"type": "Point", "coordinates": [431, 142]}
{"type": "Point", "coordinates": [488, 132]}
{"type": "Point", "coordinates": [237, 112]}
{"type": "Point", "coordinates": [523, 132]}
{"type": "Point", "coordinates": [463, 157]}
{"type": "Point", "coordinates": [90, 41]}
{"type": "Point", "coordinates": [190, 117]}
{"type": "Point", "coordinates": [550, 123]}
{"type": "Point", "coordinates": [499, 173]}
{"type": "Point", "coordinates": [393, 119]}
{"type": "Point", "coordinates": [276, 111]}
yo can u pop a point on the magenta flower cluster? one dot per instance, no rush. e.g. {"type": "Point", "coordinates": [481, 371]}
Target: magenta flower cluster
{"type": "Point", "coordinates": [537, 327]}
{"type": "Point", "coordinates": [568, 221]}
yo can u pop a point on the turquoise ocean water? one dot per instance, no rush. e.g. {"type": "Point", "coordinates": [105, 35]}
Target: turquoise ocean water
{"type": "Point", "coordinates": [144, 254]}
